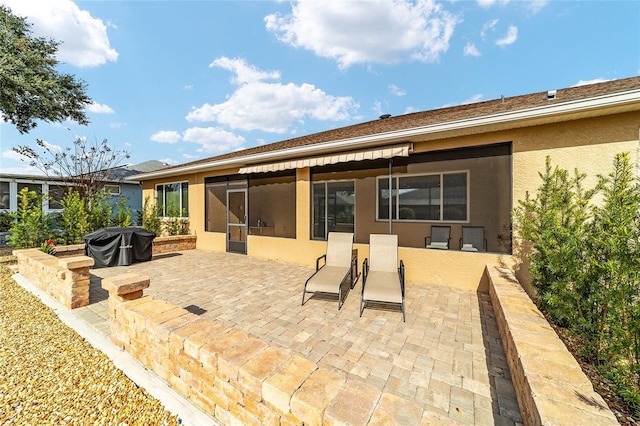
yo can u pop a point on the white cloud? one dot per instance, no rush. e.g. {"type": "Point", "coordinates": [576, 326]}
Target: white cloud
{"type": "Point", "coordinates": [489, 3]}
{"type": "Point", "coordinates": [99, 108]}
{"type": "Point", "coordinates": [169, 161]}
{"type": "Point", "coordinates": [270, 107]}
{"type": "Point", "coordinates": [377, 107]}
{"type": "Point", "coordinates": [594, 81]}
{"type": "Point", "coordinates": [166, 136]}
{"type": "Point", "coordinates": [471, 50]}
{"type": "Point", "coordinates": [510, 37]}
{"type": "Point", "coordinates": [361, 32]}
{"type": "Point", "coordinates": [535, 6]}
{"type": "Point", "coordinates": [243, 72]}
{"type": "Point", "coordinates": [473, 99]}
{"type": "Point", "coordinates": [395, 90]}
{"type": "Point", "coordinates": [213, 139]}
{"type": "Point", "coordinates": [116, 125]}
{"type": "Point", "coordinates": [189, 156]}
{"type": "Point", "coordinates": [11, 155]}
{"type": "Point", "coordinates": [488, 26]}
{"type": "Point", "coordinates": [85, 42]}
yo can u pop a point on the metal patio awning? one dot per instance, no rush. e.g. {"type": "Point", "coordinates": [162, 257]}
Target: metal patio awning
{"type": "Point", "coordinates": [343, 157]}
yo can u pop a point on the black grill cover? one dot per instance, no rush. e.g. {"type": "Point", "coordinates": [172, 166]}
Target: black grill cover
{"type": "Point", "coordinates": [119, 246]}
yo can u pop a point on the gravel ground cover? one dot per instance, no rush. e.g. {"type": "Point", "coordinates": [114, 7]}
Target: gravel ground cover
{"type": "Point", "coordinates": [50, 375]}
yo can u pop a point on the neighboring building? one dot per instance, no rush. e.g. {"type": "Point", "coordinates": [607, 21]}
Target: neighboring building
{"type": "Point", "coordinates": [117, 187]}
{"type": "Point", "coordinates": [457, 166]}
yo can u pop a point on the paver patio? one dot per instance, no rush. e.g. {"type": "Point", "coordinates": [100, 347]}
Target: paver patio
{"type": "Point", "coordinates": [447, 356]}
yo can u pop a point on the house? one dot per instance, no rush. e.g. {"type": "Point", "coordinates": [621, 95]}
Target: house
{"type": "Point", "coordinates": [466, 165]}
{"type": "Point", "coordinates": [117, 187]}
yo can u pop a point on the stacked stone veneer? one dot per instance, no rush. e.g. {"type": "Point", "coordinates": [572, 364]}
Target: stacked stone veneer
{"type": "Point", "coordinates": [70, 250]}
{"type": "Point", "coordinates": [238, 379]}
{"type": "Point", "coordinates": [65, 279]}
{"type": "Point", "coordinates": [550, 385]}
{"type": "Point", "coordinates": [174, 243]}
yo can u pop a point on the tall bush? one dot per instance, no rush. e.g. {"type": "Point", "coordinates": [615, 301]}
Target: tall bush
{"type": "Point", "coordinates": [614, 272]}
{"type": "Point", "coordinates": [585, 265]}
{"type": "Point", "coordinates": [74, 218]}
{"type": "Point", "coordinates": [32, 226]}
{"type": "Point", "coordinates": [122, 218]}
{"type": "Point", "coordinates": [99, 209]}
{"type": "Point", "coordinates": [149, 217]}
{"type": "Point", "coordinates": [554, 222]}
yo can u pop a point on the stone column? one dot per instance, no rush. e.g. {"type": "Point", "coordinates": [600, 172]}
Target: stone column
{"type": "Point", "coordinates": [122, 288]}
{"type": "Point", "coordinates": [77, 277]}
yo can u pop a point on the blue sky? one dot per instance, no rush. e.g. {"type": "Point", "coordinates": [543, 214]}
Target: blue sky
{"type": "Point", "coordinates": [178, 81]}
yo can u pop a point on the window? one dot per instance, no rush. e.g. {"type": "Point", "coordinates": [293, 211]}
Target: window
{"type": "Point", "coordinates": [35, 187]}
{"type": "Point", "coordinates": [173, 199]}
{"type": "Point", "coordinates": [333, 208]}
{"type": "Point", "coordinates": [5, 202]}
{"type": "Point", "coordinates": [434, 197]}
{"type": "Point", "coordinates": [56, 194]}
{"type": "Point", "coordinates": [112, 189]}
{"type": "Point", "coordinates": [216, 207]}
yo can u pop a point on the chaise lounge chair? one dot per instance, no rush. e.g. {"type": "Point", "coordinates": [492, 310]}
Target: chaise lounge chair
{"type": "Point", "coordinates": [439, 239]}
{"type": "Point", "coordinates": [382, 280]}
{"type": "Point", "coordinates": [473, 239]}
{"type": "Point", "coordinates": [335, 277]}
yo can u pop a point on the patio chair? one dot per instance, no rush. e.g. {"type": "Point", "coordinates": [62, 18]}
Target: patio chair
{"type": "Point", "coordinates": [473, 239]}
{"type": "Point", "coordinates": [439, 238]}
{"type": "Point", "coordinates": [382, 280]}
{"type": "Point", "coordinates": [335, 276]}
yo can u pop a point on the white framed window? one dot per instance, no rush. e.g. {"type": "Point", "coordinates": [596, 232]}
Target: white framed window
{"type": "Point", "coordinates": [436, 197]}
{"type": "Point", "coordinates": [5, 195]}
{"type": "Point", "coordinates": [172, 199]}
{"type": "Point", "coordinates": [112, 189]}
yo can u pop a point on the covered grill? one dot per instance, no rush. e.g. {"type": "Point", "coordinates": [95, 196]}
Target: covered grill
{"type": "Point", "coordinates": [119, 246]}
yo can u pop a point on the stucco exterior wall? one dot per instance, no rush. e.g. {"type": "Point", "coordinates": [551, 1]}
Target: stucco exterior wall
{"type": "Point", "coordinates": [589, 144]}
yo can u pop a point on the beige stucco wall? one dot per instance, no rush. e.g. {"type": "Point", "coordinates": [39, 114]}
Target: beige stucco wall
{"type": "Point", "coordinates": [589, 144]}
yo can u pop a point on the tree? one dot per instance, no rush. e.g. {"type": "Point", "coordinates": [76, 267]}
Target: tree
{"type": "Point", "coordinates": [30, 87]}
{"type": "Point", "coordinates": [85, 166]}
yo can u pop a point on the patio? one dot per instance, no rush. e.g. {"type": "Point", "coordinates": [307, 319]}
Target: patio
{"type": "Point", "coordinates": [447, 357]}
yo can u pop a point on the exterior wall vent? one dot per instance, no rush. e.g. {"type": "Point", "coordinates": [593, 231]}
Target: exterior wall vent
{"type": "Point", "coordinates": [551, 94]}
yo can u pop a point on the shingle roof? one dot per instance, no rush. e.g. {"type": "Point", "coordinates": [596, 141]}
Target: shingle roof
{"type": "Point", "coordinates": [436, 116]}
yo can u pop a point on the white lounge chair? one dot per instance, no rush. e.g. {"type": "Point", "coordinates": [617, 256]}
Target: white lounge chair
{"type": "Point", "coordinates": [335, 277]}
{"type": "Point", "coordinates": [382, 279]}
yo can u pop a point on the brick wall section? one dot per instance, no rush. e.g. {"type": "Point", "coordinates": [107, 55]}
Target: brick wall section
{"type": "Point", "coordinates": [65, 279]}
{"type": "Point", "coordinates": [173, 244]}
{"type": "Point", "coordinates": [241, 380]}
{"type": "Point", "coordinates": [70, 250]}
{"type": "Point", "coordinates": [549, 383]}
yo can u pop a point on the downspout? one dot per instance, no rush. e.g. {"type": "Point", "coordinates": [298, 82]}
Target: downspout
{"type": "Point", "coordinates": [390, 194]}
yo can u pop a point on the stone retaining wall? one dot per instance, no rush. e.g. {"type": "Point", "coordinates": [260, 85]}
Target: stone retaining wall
{"type": "Point", "coordinates": [550, 385]}
{"type": "Point", "coordinates": [70, 251]}
{"type": "Point", "coordinates": [65, 279]}
{"type": "Point", "coordinates": [173, 244]}
{"type": "Point", "coordinates": [238, 379]}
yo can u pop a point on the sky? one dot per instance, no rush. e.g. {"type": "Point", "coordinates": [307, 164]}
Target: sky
{"type": "Point", "coordinates": [178, 81]}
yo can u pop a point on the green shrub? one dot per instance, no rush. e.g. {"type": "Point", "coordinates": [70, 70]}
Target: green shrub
{"type": "Point", "coordinates": [74, 218]}
{"type": "Point", "coordinates": [99, 211]}
{"type": "Point", "coordinates": [585, 265]}
{"type": "Point", "coordinates": [122, 218]}
{"type": "Point", "coordinates": [31, 226]}
{"type": "Point", "coordinates": [6, 220]}
{"type": "Point", "coordinates": [149, 217]}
